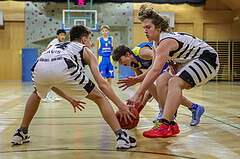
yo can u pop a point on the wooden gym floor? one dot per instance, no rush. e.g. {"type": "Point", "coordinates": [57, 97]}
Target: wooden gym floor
{"type": "Point", "coordinates": [58, 133]}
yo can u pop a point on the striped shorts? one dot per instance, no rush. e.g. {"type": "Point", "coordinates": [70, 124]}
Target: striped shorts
{"type": "Point", "coordinates": [197, 72]}
{"type": "Point", "coordinates": [63, 74]}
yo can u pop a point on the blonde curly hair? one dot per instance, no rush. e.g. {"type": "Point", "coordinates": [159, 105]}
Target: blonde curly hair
{"type": "Point", "coordinates": [147, 12]}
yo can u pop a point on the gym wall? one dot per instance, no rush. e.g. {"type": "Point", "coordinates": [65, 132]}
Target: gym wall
{"type": "Point", "coordinates": [214, 21]}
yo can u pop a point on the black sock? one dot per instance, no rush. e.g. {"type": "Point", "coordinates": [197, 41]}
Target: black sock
{"type": "Point", "coordinates": [24, 129]}
{"type": "Point", "coordinates": [172, 123]}
{"type": "Point", "coordinates": [118, 132]}
{"type": "Point", "coordinates": [164, 121]}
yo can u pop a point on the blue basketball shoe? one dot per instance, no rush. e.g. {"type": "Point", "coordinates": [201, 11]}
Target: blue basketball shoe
{"type": "Point", "coordinates": [159, 114]}
{"type": "Point", "coordinates": [196, 115]}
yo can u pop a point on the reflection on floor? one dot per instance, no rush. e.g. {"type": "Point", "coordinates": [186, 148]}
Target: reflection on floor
{"type": "Point", "coordinates": [57, 132]}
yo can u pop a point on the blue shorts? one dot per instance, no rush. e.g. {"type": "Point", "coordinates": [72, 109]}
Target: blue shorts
{"type": "Point", "coordinates": [106, 66]}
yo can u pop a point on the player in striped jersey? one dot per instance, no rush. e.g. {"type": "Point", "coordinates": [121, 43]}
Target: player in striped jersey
{"type": "Point", "coordinates": [138, 58]}
{"type": "Point", "coordinates": [60, 68]}
{"type": "Point", "coordinates": [196, 63]}
{"type": "Point", "coordinates": [61, 34]}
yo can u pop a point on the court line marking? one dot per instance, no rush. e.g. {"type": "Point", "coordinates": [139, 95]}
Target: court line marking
{"type": "Point", "coordinates": [93, 123]}
{"type": "Point", "coordinates": [216, 120]}
{"type": "Point", "coordinates": [187, 109]}
{"type": "Point", "coordinates": [146, 152]}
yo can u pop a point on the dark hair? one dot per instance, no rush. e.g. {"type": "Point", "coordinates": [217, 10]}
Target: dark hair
{"type": "Point", "coordinates": [147, 12]}
{"type": "Point", "coordinates": [119, 51]}
{"type": "Point", "coordinates": [59, 31]}
{"type": "Point", "coordinates": [77, 32]}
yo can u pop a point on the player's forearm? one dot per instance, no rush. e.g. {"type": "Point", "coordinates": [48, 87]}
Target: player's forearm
{"type": "Point", "coordinates": [62, 94]}
{"type": "Point", "coordinates": [108, 91]}
{"type": "Point", "coordinates": [141, 77]}
{"type": "Point", "coordinates": [138, 72]}
{"type": "Point", "coordinates": [150, 77]}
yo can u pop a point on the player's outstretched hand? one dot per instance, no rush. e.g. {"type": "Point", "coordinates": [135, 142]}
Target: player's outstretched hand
{"type": "Point", "coordinates": [77, 104]}
{"type": "Point", "coordinates": [126, 114]}
{"type": "Point", "coordinates": [127, 82]}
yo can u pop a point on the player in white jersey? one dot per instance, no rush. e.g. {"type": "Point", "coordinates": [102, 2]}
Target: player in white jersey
{"type": "Point", "coordinates": [60, 68]}
{"type": "Point", "coordinates": [61, 34]}
{"type": "Point", "coordinates": [196, 63]}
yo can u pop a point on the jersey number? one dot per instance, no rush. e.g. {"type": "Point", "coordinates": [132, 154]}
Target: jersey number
{"type": "Point", "coordinates": [62, 45]}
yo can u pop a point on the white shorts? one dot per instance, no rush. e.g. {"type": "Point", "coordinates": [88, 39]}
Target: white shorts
{"type": "Point", "coordinates": [63, 74]}
{"type": "Point", "coordinates": [197, 72]}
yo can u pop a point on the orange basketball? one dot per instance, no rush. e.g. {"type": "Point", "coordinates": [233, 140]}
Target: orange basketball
{"type": "Point", "coordinates": [129, 125]}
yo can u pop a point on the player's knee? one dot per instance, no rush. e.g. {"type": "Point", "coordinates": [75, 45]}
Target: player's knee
{"type": "Point", "coordinates": [176, 82]}
{"type": "Point", "coordinates": [161, 83]}
{"type": "Point", "coordinates": [96, 95]}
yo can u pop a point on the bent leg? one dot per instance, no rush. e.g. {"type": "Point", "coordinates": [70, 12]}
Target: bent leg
{"type": "Point", "coordinates": [30, 109]}
{"type": "Point", "coordinates": [162, 91]}
{"type": "Point", "coordinates": [174, 97]}
{"type": "Point", "coordinates": [105, 108]}
{"type": "Point", "coordinates": [162, 88]}
{"type": "Point", "coordinates": [186, 102]}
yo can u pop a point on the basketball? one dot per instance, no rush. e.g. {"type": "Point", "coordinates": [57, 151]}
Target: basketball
{"type": "Point", "coordinates": [129, 125]}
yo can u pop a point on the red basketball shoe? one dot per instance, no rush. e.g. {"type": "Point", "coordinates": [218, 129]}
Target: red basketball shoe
{"type": "Point", "coordinates": [174, 128]}
{"type": "Point", "coordinates": [159, 130]}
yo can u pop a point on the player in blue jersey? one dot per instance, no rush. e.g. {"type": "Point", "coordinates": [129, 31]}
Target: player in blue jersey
{"type": "Point", "coordinates": [138, 58]}
{"type": "Point", "coordinates": [104, 49]}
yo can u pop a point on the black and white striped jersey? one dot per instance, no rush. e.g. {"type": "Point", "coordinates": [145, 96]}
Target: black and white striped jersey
{"type": "Point", "coordinates": [189, 48]}
{"type": "Point", "coordinates": [68, 50]}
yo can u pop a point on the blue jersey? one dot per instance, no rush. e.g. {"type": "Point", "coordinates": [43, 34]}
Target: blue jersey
{"type": "Point", "coordinates": [105, 46]}
{"type": "Point", "coordinates": [142, 62]}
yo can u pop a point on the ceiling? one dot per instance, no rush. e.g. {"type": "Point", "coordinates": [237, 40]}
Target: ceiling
{"type": "Point", "coordinates": [231, 4]}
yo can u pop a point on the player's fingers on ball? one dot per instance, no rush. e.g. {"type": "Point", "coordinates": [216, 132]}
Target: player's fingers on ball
{"type": "Point", "coordinates": [125, 119]}
{"type": "Point", "coordinates": [132, 115]}
{"type": "Point", "coordinates": [129, 118]}
{"type": "Point", "coordinates": [121, 117]}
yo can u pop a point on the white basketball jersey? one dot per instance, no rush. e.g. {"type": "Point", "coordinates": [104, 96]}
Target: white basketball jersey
{"type": "Point", "coordinates": [190, 47]}
{"type": "Point", "coordinates": [53, 42]}
{"type": "Point", "coordinates": [69, 50]}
